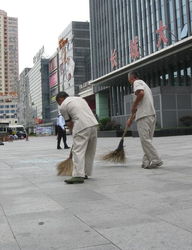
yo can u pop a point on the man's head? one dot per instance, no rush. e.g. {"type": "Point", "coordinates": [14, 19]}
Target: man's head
{"type": "Point", "coordinates": [132, 76]}
{"type": "Point", "coordinates": [61, 96]}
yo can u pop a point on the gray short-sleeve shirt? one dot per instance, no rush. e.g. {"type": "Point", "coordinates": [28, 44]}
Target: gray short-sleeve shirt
{"type": "Point", "coordinates": [146, 106]}
{"type": "Point", "coordinates": [77, 110]}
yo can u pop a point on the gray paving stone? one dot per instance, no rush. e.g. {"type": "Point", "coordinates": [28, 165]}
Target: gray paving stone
{"type": "Point", "coordinates": [181, 218]}
{"type": "Point", "coordinates": [121, 207]}
{"type": "Point", "coordinates": [28, 203]}
{"type": "Point", "coordinates": [53, 230]}
{"type": "Point", "coordinates": [147, 236]}
{"type": "Point", "coordinates": [7, 240]}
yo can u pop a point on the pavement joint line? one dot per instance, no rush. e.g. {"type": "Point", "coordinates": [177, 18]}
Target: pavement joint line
{"type": "Point", "coordinates": [9, 165]}
{"type": "Point", "coordinates": [97, 232]}
{"type": "Point", "coordinates": [185, 229]}
{"type": "Point", "coordinates": [107, 244]}
{"type": "Point", "coordinates": [163, 220]}
{"type": "Point", "coordinates": [10, 227]}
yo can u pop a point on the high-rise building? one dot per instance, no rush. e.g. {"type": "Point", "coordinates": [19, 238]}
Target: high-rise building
{"type": "Point", "coordinates": [8, 68]}
{"type": "Point", "coordinates": [24, 110]}
{"type": "Point", "coordinates": [8, 53]}
{"type": "Point", "coordinates": [53, 85]}
{"type": "Point", "coordinates": [151, 37]}
{"type": "Point", "coordinates": [39, 90]}
{"type": "Point", "coordinates": [74, 57]}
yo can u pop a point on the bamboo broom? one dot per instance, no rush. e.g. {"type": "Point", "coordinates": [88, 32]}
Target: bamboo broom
{"type": "Point", "coordinates": [118, 155]}
{"type": "Point", "coordinates": [65, 167]}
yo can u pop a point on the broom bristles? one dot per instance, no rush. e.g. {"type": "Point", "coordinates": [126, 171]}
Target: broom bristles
{"type": "Point", "coordinates": [65, 167]}
{"type": "Point", "coordinates": [115, 156]}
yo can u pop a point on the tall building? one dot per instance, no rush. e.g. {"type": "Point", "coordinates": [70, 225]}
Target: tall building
{"type": "Point", "coordinates": [8, 53]}
{"type": "Point", "coordinates": [53, 85]}
{"type": "Point", "coordinates": [152, 37]}
{"type": "Point", "coordinates": [74, 57]}
{"type": "Point", "coordinates": [39, 88]}
{"type": "Point", "coordinates": [8, 68]}
{"type": "Point", "coordinates": [24, 110]}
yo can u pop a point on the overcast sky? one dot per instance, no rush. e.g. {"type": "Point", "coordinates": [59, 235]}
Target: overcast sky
{"type": "Point", "coordinates": [41, 22]}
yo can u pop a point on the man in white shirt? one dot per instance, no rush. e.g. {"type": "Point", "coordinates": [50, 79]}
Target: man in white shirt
{"type": "Point", "coordinates": [83, 124]}
{"type": "Point", "coordinates": [61, 132]}
{"type": "Point", "coordinates": [145, 116]}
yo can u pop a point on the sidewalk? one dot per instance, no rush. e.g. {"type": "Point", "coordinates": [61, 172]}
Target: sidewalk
{"type": "Point", "coordinates": [120, 207]}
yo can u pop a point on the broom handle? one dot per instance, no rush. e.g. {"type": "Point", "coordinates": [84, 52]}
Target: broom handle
{"type": "Point", "coordinates": [70, 156]}
{"type": "Point", "coordinates": [126, 128]}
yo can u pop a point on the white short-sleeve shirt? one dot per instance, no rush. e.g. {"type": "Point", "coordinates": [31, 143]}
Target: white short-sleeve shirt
{"type": "Point", "coordinates": [77, 110]}
{"type": "Point", "coordinates": [146, 106]}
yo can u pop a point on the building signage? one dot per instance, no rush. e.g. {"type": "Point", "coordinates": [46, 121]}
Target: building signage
{"type": "Point", "coordinates": [53, 64]}
{"type": "Point", "coordinates": [162, 38]}
{"type": "Point", "coordinates": [134, 48]}
{"type": "Point", "coordinates": [53, 79]}
{"type": "Point", "coordinates": [113, 59]}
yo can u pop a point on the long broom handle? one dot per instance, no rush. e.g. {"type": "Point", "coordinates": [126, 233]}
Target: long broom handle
{"type": "Point", "coordinates": [71, 154]}
{"type": "Point", "coordinates": [126, 128]}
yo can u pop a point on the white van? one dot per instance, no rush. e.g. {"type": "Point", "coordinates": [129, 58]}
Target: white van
{"type": "Point", "coordinates": [18, 130]}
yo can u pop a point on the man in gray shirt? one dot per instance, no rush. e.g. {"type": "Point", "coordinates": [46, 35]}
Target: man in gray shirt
{"type": "Point", "coordinates": [145, 116]}
{"type": "Point", "coordinates": [83, 124]}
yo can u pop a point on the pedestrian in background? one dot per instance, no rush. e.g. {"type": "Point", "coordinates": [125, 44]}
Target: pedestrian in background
{"type": "Point", "coordinates": [61, 132]}
{"type": "Point", "coordinates": [83, 124]}
{"type": "Point", "coordinates": [145, 117]}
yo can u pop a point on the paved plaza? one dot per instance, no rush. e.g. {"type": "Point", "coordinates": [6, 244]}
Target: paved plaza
{"type": "Point", "coordinates": [120, 207]}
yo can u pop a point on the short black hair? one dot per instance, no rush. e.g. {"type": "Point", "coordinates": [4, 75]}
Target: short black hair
{"type": "Point", "coordinates": [61, 94]}
{"type": "Point", "coordinates": [134, 74]}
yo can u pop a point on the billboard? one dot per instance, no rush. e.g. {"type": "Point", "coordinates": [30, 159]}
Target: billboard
{"type": "Point", "coordinates": [53, 64]}
{"type": "Point", "coordinates": [53, 80]}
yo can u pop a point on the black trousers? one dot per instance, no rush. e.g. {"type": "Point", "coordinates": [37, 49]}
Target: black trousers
{"type": "Point", "coordinates": [61, 134]}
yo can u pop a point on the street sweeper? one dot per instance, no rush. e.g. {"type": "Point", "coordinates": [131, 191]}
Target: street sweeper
{"type": "Point", "coordinates": [145, 117]}
{"type": "Point", "coordinates": [83, 124]}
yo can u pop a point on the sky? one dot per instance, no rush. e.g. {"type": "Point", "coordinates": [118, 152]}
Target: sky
{"type": "Point", "coordinates": [40, 22]}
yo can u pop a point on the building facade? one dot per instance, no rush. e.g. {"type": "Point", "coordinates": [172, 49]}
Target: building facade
{"type": "Point", "coordinates": [53, 85]}
{"type": "Point", "coordinates": [152, 37]}
{"type": "Point", "coordinates": [24, 110]}
{"type": "Point", "coordinates": [74, 57]}
{"type": "Point", "coordinates": [38, 78]}
{"type": "Point", "coordinates": [8, 109]}
{"type": "Point", "coordinates": [9, 70]}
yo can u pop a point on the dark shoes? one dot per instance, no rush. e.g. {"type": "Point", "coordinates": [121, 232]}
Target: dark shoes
{"type": "Point", "coordinates": [75, 180]}
{"type": "Point", "coordinates": [66, 147]}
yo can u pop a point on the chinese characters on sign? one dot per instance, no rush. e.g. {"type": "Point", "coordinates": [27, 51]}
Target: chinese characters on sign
{"type": "Point", "coordinates": [134, 48]}
{"type": "Point", "coordinates": [113, 59]}
{"type": "Point", "coordinates": [160, 32]}
{"type": "Point", "coordinates": [134, 45]}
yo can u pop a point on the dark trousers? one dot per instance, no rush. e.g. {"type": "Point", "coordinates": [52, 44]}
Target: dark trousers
{"type": "Point", "coordinates": [61, 134]}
